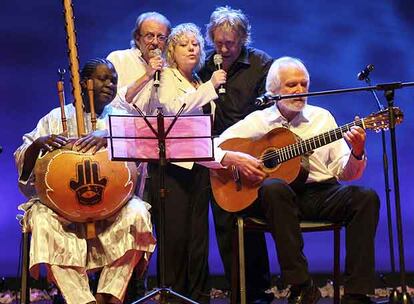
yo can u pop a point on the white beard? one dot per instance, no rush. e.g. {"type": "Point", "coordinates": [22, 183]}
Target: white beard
{"type": "Point", "coordinates": [292, 105]}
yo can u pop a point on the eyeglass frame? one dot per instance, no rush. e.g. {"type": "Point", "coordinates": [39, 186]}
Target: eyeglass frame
{"type": "Point", "coordinates": [160, 38]}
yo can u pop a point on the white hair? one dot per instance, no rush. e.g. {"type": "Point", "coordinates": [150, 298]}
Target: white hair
{"type": "Point", "coordinates": [273, 76]}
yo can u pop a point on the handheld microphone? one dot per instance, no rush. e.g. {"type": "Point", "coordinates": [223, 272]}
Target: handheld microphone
{"type": "Point", "coordinates": [154, 53]}
{"type": "Point", "coordinates": [364, 74]}
{"type": "Point", "coordinates": [266, 99]}
{"type": "Point", "coordinates": [218, 61]}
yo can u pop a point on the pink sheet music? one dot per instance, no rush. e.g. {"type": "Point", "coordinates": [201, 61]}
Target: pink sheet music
{"type": "Point", "coordinates": [123, 143]}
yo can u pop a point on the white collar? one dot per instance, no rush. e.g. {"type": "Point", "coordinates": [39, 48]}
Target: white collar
{"type": "Point", "coordinates": [137, 52]}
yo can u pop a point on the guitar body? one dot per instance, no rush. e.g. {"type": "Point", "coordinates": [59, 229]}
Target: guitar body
{"type": "Point", "coordinates": [232, 197]}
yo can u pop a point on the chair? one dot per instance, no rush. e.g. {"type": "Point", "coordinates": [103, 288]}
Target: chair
{"type": "Point", "coordinates": [254, 224]}
{"type": "Point", "coordinates": [25, 249]}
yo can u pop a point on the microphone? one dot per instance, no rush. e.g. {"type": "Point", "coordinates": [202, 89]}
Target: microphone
{"type": "Point", "coordinates": [364, 74]}
{"type": "Point", "coordinates": [154, 53]}
{"type": "Point", "coordinates": [218, 61]}
{"type": "Point", "coordinates": [266, 99]}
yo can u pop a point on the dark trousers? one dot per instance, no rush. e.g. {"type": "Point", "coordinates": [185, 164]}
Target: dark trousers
{"type": "Point", "coordinates": [186, 228]}
{"type": "Point", "coordinates": [356, 207]}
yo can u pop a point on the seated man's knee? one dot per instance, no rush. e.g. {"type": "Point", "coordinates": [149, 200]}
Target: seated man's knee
{"type": "Point", "coordinates": [365, 198]}
{"type": "Point", "coordinates": [275, 188]}
{"type": "Point", "coordinates": [41, 216]}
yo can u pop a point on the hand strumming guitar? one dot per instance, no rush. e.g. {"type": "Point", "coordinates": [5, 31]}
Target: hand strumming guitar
{"type": "Point", "coordinates": [246, 164]}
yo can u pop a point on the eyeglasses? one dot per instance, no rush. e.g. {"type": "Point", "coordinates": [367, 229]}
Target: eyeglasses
{"type": "Point", "coordinates": [149, 37]}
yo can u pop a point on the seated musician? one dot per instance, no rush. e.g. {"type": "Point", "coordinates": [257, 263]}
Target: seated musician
{"type": "Point", "coordinates": [122, 241]}
{"type": "Point", "coordinates": [322, 197]}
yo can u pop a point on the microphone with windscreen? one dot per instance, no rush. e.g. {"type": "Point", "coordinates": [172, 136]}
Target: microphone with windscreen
{"type": "Point", "coordinates": [155, 53]}
{"type": "Point", "coordinates": [364, 74]}
{"type": "Point", "coordinates": [266, 100]}
{"type": "Point", "coordinates": [218, 61]}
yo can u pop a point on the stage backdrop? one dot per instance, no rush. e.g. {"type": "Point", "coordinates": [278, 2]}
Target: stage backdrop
{"type": "Point", "coordinates": [335, 39]}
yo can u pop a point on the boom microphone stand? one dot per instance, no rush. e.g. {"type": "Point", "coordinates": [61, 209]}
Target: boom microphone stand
{"type": "Point", "coordinates": [389, 90]}
{"type": "Point", "coordinates": [394, 294]}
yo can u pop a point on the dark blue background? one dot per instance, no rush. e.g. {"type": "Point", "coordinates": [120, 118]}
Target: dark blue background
{"type": "Point", "coordinates": [336, 39]}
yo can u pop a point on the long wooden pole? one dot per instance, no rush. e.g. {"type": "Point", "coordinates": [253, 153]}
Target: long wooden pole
{"type": "Point", "coordinates": [74, 64]}
{"type": "Point", "coordinates": [76, 87]}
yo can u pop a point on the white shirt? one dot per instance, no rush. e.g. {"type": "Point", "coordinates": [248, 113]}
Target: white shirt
{"type": "Point", "coordinates": [130, 66]}
{"type": "Point", "coordinates": [332, 160]}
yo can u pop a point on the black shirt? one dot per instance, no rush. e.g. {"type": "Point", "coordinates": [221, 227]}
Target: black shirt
{"type": "Point", "coordinates": [246, 80]}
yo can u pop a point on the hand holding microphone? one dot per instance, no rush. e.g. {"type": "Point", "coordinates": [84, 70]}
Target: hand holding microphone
{"type": "Point", "coordinates": [218, 62]}
{"type": "Point", "coordinates": [155, 65]}
{"type": "Point", "coordinates": [218, 79]}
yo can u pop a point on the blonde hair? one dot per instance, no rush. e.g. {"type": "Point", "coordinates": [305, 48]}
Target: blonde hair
{"type": "Point", "coordinates": [273, 76]}
{"type": "Point", "coordinates": [229, 20]}
{"type": "Point", "coordinates": [177, 33]}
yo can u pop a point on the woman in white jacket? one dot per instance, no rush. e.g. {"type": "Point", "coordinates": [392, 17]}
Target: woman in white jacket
{"type": "Point", "coordinates": [186, 203]}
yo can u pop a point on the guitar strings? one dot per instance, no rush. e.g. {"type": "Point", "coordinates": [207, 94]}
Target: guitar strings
{"type": "Point", "coordinates": [304, 146]}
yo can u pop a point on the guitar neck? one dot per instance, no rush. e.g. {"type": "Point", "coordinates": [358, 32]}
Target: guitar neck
{"type": "Point", "coordinates": [304, 146]}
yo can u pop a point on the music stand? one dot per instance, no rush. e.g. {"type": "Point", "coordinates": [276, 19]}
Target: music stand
{"type": "Point", "coordinates": [161, 139]}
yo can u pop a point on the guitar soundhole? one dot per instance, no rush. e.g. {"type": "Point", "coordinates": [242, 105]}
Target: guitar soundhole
{"type": "Point", "coordinates": [269, 159]}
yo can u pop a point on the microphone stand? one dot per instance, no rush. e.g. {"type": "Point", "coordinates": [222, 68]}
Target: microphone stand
{"type": "Point", "coordinates": [389, 90]}
{"type": "Point", "coordinates": [404, 297]}
{"type": "Point", "coordinates": [378, 87]}
{"type": "Point", "coordinates": [394, 294]}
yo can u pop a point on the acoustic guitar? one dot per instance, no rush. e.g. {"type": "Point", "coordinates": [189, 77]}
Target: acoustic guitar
{"type": "Point", "coordinates": [283, 155]}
